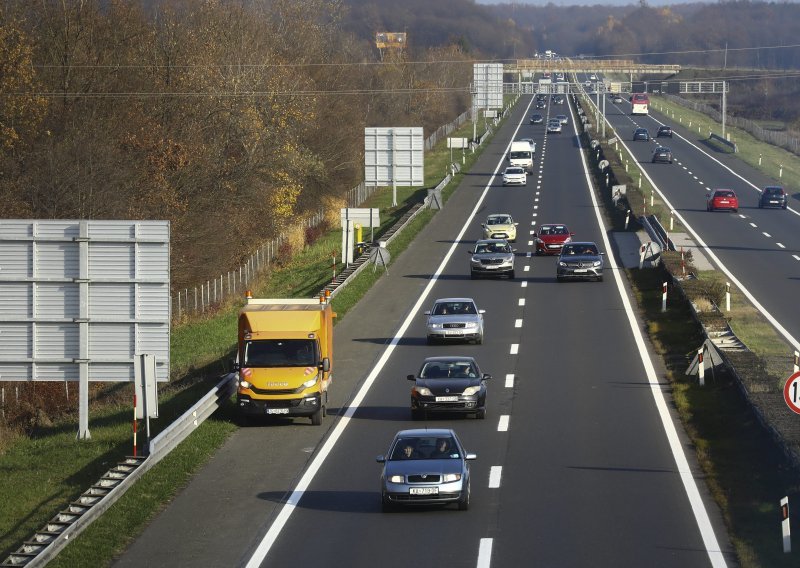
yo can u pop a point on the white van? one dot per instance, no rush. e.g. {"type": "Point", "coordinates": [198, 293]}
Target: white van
{"type": "Point", "coordinates": [521, 154]}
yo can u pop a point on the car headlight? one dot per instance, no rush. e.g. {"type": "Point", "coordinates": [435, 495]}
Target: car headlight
{"type": "Point", "coordinates": [450, 477]}
{"type": "Point", "coordinates": [396, 479]}
{"type": "Point", "coordinates": [475, 260]}
{"type": "Point", "coordinates": [435, 325]}
{"type": "Point", "coordinates": [244, 384]}
{"type": "Point", "coordinates": [596, 263]}
{"type": "Point", "coordinates": [469, 391]}
{"type": "Point", "coordinates": [470, 325]}
{"type": "Point", "coordinates": [539, 241]}
{"type": "Point", "coordinates": [311, 382]}
{"type": "Point", "coordinates": [562, 263]}
{"type": "Point", "coordinates": [423, 391]}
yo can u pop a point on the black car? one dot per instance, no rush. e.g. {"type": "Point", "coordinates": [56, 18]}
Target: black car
{"type": "Point", "coordinates": [662, 154]}
{"type": "Point", "coordinates": [449, 384]}
{"type": "Point", "coordinates": [664, 131]}
{"type": "Point", "coordinates": [641, 134]}
{"type": "Point", "coordinates": [773, 196]}
{"type": "Point", "coordinates": [537, 118]}
{"type": "Point", "coordinates": [540, 105]}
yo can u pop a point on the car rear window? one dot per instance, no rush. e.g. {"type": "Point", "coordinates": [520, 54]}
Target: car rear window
{"type": "Point", "coordinates": [725, 193]}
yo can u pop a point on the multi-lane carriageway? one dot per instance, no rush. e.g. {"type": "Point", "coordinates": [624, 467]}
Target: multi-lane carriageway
{"type": "Point", "coordinates": [580, 459]}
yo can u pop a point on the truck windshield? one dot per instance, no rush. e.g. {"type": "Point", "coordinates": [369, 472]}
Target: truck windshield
{"type": "Point", "coordinates": [281, 353]}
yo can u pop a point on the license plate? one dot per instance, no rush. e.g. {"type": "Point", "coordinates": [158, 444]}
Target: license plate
{"type": "Point", "coordinates": [454, 333]}
{"type": "Point", "coordinates": [277, 411]}
{"type": "Point", "coordinates": [446, 399]}
{"type": "Point", "coordinates": [424, 491]}
{"type": "Point", "coordinates": [724, 201]}
{"type": "Point", "coordinates": [773, 201]}
{"type": "Point", "coordinates": [580, 270]}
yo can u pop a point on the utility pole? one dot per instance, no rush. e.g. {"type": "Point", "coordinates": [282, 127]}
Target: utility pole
{"type": "Point", "coordinates": [724, 107]}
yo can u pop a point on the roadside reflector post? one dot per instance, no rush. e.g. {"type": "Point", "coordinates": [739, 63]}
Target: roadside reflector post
{"type": "Point", "coordinates": [780, 172]}
{"type": "Point", "coordinates": [785, 529]}
{"type": "Point", "coordinates": [627, 218]}
{"type": "Point", "coordinates": [652, 196]}
{"type": "Point", "coordinates": [759, 159]}
{"type": "Point", "coordinates": [797, 361]}
{"type": "Point", "coordinates": [640, 181]}
{"type": "Point", "coordinates": [701, 368]}
{"type": "Point", "coordinates": [135, 445]}
{"type": "Point", "coordinates": [664, 297]}
{"type": "Point", "coordinates": [671, 220]}
{"type": "Point", "coordinates": [727, 296]}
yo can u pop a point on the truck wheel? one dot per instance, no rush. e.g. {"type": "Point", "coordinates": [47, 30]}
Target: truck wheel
{"type": "Point", "coordinates": [316, 418]}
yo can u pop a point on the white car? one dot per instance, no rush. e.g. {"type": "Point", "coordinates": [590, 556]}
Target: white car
{"type": "Point", "coordinates": [514, 175]}
{"type": "Point", "coordinates": [554, 125]}
{"type": "Point", "coordinates": [500, 226]}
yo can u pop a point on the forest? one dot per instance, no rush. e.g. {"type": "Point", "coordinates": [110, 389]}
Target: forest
{"type": "Point", "coordinates": [233, 118]}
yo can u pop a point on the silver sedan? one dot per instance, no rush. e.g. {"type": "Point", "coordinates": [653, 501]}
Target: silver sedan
{"type": "Point", "coordinates": [455, 319]}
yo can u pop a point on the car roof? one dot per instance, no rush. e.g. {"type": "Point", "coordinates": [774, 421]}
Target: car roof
{"type": "Point", "coordinates": [440, 358]}
{"type": "Point", "coordinates": [661, 148]}
{"type": "Point", "coordinates": [490, 241]}
{"type": "Point", "coordinates": [415, 432]}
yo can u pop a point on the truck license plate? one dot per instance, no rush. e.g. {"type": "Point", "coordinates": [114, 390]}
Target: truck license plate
{"type": "Point", "coordinates": [424, 491]}
{"type": "Point", "coordinates": [277, 411]}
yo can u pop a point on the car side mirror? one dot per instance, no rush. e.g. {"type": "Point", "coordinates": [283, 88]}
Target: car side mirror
{"type": "Point", "coordinates": [411, 377]}
{"type": "Point", "coordinates": [515, 224]}
{"type": "Point", "coordinates": [483, 225]}
{"type": "Point", "coordinates": [513, 250]}
{"type": "Point", "coordinates": [602, 254]}
{"type": "Point", "coordinates": [326, 364]}
{"type": "Point", "coordinates": [380, 459]}
{"type": "Point", "coordinates": [572, 234]}
{"type": "Point", "coordinates": [427, 312]}
{"type": "Point", "coordinates": [486, 377]}
{"type": "Point", "coordinates": [471, 457]}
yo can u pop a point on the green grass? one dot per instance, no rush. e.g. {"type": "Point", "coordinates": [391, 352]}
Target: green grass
{"type": "Point", "coordinates": [745, 471]}
{"type": "Point", "coordinates": [200, 350]}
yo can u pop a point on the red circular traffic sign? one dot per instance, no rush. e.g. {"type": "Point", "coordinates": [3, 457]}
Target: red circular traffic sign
{"type": "Point", "coordinates": [791, 393]}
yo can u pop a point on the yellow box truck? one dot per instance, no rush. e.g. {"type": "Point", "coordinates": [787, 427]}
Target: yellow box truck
{"type": "Point", "coordinates": [285, 357]}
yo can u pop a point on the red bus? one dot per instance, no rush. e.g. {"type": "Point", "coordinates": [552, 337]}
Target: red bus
{"type": "Point", "coordinates": [639, 103]}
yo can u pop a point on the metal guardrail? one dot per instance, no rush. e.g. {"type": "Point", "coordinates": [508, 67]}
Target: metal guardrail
{"type": "Point", "coordinates": [65, 526]}
{"type": "Point", "coordinates": [657, 232]}
{"type": "Point", "coordinates": [721, 140]}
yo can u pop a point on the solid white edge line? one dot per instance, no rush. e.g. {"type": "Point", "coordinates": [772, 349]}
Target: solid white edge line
{"type": "Point", "coordinates": [687, 478]}
{"type": "Point", "coordinates": [485, 553]}
{"type": "Point", "coordinates": [495, 473]}
{"type": "Point", "coordinates": [286, 511]}
{"type": "Point", "coordinates": [509, 380]}
{"type": "Point", "coordinates": [502, 425]}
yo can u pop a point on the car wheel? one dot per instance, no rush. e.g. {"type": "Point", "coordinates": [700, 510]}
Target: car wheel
{"type": "Point", "coordinates": [463, 502]}
{"type": "Point", "coordinates": [735, 210]}
{"type": "Point", "coordinates": [511, 275]}
{"type": "Point", "coordinates": [473, 275]}
{"type": "Point", "coordinates": [481, 414]}
{"type": "Point", "coordinates": [600, 278]}
{"type": "Point", "coordinates": [479, 340]}
{"type": "Point", "coordinates": [431, 340]}
{"type": "Point", "coordinates": [386, 505]}
{"type": "Point", "coordinates": [316, 418]}
{"type": "Point", "coordinates": [416, 414]}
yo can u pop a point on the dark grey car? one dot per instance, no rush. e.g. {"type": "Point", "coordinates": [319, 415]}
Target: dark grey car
{"type": "Point", "coordinates": [580, 261]}
{"type": "Point", "coordinates": [425, 467]}
{"type": "Point", "coordinates": [449, 384]}
{"type": "Point", "coordinates": [492, 257]}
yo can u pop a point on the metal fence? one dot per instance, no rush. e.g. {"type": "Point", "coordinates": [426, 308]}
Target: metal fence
{"type": "Point", "coordinates": [200, 298]}
{"type": "Point", "coordinates": [782, 139]}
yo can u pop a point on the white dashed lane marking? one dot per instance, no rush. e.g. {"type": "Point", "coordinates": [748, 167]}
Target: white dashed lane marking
{"type": "Point", "coordinates": [509, 381]}
{"type": "Point", "coordinates": [494, 476]}
{"type": "Point", "coordinates": [485, 553]}
{"type": "Point", "coordinates": [502, 425]}
{"type": "Point", "coordinates": [514, 349]}
{"type": "Point", "coordinates": [780, 245]}
{"type": "Point", "coordinates": [754, 225]}
{"type": "Point", "coordinates": [518, 323]}
{"type": "Point", "coordinates": [767, 235]}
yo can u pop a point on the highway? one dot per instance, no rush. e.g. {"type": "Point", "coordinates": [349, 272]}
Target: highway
{"type": "Point", "coordinates": [592, 470]}
{"type": "Point", "coordinates": [759, 248]}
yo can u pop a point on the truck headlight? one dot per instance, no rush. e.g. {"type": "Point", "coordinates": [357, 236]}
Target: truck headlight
{"type": "Point", "coordinates": [423, 391]}
{"type": "Point", "coordinates": [469, 391]}
{"type": "Point", "coordinates": [244, 384]}
{"type": "Point", "coordinates": [311, 382]}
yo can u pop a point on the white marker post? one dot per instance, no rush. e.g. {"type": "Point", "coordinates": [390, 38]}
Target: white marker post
{"type": "Point", "coordinates": [727, 296]}
{"type": "Point", "coordinates": [671, 221]}
{"type": "Point", "coordinates": [627, 218]}
{"type": "Point", "coordinates": [796, 361]}
{"type": "Point", "coordinates": [701, 368]}
{"type": "Point", "coordinates": [785, 529]}
{"type": "Point", "coordinates": [664, 297]}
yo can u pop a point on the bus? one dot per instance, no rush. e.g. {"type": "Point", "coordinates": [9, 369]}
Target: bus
{"type": "Point", "coordinates": [639, 103]}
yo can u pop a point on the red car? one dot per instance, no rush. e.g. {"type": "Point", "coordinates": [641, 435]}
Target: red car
{"type": "Point", "coordinates": [722, 199]}
{"type": "Point", "coordinates": [550, 238]}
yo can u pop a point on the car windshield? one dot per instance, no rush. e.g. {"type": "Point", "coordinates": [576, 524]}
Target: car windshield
{"type": "Point", "coordinates": [280, 353]}
{"type": "Point", "coordinates": [577, 249]}
{"type": "Point", "coordinates": [449, 370]}
{"type": "Point", "coordinates": [484, 248]}
{"type": "Point", "coordinates": [499, 220]}
{"type": "Point", "coordinates": [451, 308]}
{"type": "Point", "coordinates": [425, 448]}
